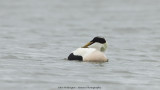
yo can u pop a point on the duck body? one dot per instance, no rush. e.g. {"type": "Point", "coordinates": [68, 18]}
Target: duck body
{"type": "Point", "coordinates": [87, 54]}
{"type": "Point", "coordinates": [92, 51]}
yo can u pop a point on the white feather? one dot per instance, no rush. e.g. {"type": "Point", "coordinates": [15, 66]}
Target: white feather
{"type": "Point", "coordinates": [96, 46]}
{"type": "Point", "coordinates": [90, 54]}
{"type": "Point", "coordinates": [94, 52]}
{"type": "Point", "coordinates": [83, 51]}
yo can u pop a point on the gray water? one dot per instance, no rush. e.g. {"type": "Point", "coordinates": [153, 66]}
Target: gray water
{"type": "Point", "coordinates": [36, 36]}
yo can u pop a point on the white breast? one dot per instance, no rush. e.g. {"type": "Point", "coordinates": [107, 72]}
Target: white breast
{"type": "Point", "coordinates": [95, 56]}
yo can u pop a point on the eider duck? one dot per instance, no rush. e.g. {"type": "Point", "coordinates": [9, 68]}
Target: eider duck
{"type": "Point", "coordinates": [92, 51]}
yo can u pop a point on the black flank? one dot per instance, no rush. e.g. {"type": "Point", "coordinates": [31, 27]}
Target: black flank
{"type": "Point", "coordinates": [74, 57]}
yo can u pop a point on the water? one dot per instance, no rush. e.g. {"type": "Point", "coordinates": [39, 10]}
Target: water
{"type": "Point", "coordinates": [36, 37]}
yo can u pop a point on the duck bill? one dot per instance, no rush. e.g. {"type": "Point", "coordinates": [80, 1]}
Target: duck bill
{"type": "Point", "coordinates": [86, 46]}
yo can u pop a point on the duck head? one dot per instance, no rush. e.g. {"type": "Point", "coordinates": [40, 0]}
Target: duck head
{"type": "Point", "coordinates": [98, 43]}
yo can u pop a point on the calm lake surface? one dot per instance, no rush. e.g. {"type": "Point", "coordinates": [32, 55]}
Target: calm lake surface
{"type": "Point", "coordinates": [36, 36]}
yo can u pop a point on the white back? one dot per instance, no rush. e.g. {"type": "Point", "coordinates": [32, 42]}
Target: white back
{"type": "Point", "coordinates": [83, 51]}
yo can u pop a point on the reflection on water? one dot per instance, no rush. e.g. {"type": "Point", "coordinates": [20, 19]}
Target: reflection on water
{"type": "Point", "coordinates": [37, 36]}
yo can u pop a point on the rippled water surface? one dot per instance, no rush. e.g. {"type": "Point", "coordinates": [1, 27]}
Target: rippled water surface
{"type": "Point", "coordinates": [36, 37]}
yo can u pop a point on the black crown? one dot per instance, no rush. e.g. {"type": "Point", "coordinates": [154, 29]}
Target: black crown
{"type": "Point", "coordinates": [99, 40]}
